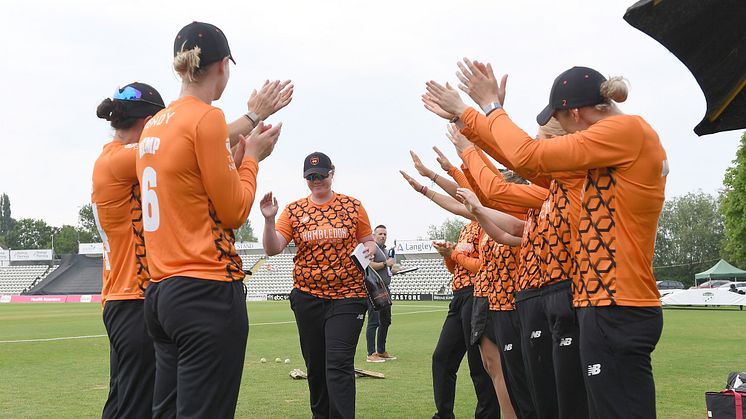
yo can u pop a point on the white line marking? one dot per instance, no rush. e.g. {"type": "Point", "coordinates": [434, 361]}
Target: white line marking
{"type": "Point", "coordinates": [250, 324]}
{"type": "Point", "coordinates": [53, 339]}
{"type": "Point", "coordinates": [418, 312]}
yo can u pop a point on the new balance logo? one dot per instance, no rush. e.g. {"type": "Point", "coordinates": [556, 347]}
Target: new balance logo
{"type": "Point", "coordinates": [565, 342]}
{"type": "Point", "coordinates": [536, 334]}
{"type": "Point", "coordinates": [361, 316]}
{"type": "Point", "coordinates": [594, 369]}
{"type": "Point", "coordinates": [508, 347]}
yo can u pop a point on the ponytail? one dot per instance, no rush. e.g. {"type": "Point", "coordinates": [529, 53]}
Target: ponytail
{"type": "Point", "coordinates": [615, 89]}
{"type": "Point", "coordinates": [186, 63]}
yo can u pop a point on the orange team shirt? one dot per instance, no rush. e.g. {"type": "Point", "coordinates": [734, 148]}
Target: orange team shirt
{"type": "Point", "coordinates": [563, 203]}
{"type": "Point", "coordinates": [532, 249]}
{"type": "Point", "coordinates": [562, 199]}
{"type": "Point", "coordinates": [193, 195]}
{"type": "Point", "coordinates": [326, 235]}
{"type": "Point", "coordinates": [464, 262]}
{"type": "Point", "coordinates": [502, 297]}
{"type": "Point", "coordinates": [118, 214]}
{"type": "Point", "coordinates": [621, 200]}
{"type": "Point", "coordinates": [489, 269]}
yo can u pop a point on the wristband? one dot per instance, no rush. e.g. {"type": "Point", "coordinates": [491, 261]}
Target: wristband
{"type": "Point", "coordinates": [491, 108]}
{"type": "Point", "coordinates": [424, 190]}
{"type": "Point", "coordinates": [454, 119]}
{"type": "Point", "coordinates": [253, 118]}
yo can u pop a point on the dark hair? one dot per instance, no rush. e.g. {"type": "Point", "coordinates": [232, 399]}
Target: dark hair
{"type": "Point", "coordinates": [115, 111]}
{"type": "Point", "coordinates": [130, 104]}
{"type": "Point", "coordinates": [379, 226]}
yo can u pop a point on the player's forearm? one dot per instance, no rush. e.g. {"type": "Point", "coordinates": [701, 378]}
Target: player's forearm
{"type": "Point", "coordinates": [270, 238]}
{"type": "Point", "coordinates": [505, 222]}
{"type": "Point", "coordinates": [241, 126]}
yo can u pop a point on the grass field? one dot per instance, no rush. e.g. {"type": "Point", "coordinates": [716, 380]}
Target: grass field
{"type": "Point", "coordinates": [69, 378]}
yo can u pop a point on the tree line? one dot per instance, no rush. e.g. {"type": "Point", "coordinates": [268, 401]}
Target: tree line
{"type": "Point", "coordinates": [32, 233]}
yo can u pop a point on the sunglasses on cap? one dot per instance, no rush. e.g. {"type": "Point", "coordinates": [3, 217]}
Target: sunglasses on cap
{"type": "Point", "coordinates": [132, 94]}
{"type": "Point", "coordinates": [316, 176]}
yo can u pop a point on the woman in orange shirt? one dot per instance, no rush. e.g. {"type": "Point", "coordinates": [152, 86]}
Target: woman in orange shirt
{"type": "Point", "coordinates": [115, 200]}
{"type": "Point", "coordinates": [328, 296]}
{"type": "Point", "coordinates": [194, 193]}
{"type": "Point", "coordinates": [614, 290]}
{"type": "Point", "coordinates": [472, 259]}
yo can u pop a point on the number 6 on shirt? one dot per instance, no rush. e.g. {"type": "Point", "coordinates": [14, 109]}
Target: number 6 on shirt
{"type": "Point", "coordinates": [151, 218]}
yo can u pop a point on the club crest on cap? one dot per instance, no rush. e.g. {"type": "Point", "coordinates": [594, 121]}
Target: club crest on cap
{"type": "Point", "coordinates": [314, 160]}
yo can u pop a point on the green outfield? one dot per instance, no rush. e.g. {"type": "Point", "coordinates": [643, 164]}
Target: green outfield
{"type": "Point", "coordinates": [68, 378]}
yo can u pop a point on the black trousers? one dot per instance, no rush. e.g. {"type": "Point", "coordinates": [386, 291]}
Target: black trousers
{"type": "Point", "coordinates": [200, 329]}
{"type": "Point", "coordinates": [507, 330]}
{"type": "Point", "coordinates": [378, 325]}
{"type": "Point", "coordinates": [572, 399]}
{"type": "Point", "coordinates": [536, 346]}
{"type": "Point", "coordinates": [615, 347]}
{"type": "Point", "coordinates": [329, 331]}
{"type": "Point", "coordinates": [452, 345]}
{"type": "Point", "coordinates": [131, 361]}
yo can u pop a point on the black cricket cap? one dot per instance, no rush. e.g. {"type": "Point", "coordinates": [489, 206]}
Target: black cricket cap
{"type": "Point", "coordinates": [209, 38]}
{"type": "Point", "coordinates": [139, 100]}
{"type": "Point", "coordinates": [574, 88]}
{"type": "Point", "coordinates": [317, 162]}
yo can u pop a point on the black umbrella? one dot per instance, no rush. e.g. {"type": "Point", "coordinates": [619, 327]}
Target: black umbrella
{"type": "Point", "coordinates": [709, 37]}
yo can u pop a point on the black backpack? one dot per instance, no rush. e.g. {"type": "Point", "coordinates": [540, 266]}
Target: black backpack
{"type": "Point", "coordinates": [729, 403]}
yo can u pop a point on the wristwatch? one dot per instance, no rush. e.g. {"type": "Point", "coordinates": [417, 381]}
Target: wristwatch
{"type": "Point", "coordinates": [491, 108]}
{"type": "Point", "coordinates": [252, 117]}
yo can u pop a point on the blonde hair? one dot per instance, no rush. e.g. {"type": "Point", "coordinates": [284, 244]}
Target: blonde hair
{"type": "Point", "coordinates": [552, 129]}
{"type": "Point", "coordinates": [186, 63]}
{"type": "Point", "coordinates": [615, 89]}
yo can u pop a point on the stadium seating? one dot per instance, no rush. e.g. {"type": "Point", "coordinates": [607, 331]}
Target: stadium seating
{"type": "Point", "coordinates": [14, 279]}
{"type": "Point", "coordinates": [431, 277]}
{"type": "Point", "coordinates": [276, 276]}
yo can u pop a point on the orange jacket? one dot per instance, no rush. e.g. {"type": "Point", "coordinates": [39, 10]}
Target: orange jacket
{"type": "Point", "coordinates": [622, 198]}
{"type": "Point", "coordinates": [496, 189]}
{"type": "Point", "coordinates": [193, 195]}
{"type": "Point", "coordinates": [115, 201]}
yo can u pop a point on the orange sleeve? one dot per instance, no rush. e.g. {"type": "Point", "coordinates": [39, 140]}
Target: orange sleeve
{"type": "Point", "coordinates": [363, 224]}
{"type": "Point", "coordinates": [450, 264]}
{"type": "Point", "coordinates": [497, 189]}
{"type": "Point", "coordinates": [611, 142]}
{"type": "Point", "coordinates": [477, 130]}
{"type": "Point", "coordinates": [459, 177]}
{"type": "Point", "coordinates": [473, 185]}
{"type": "Point", "coordinates": [470, 263]}
{"type": "Point", "coordinates": [123, 163]}
{"type": "Point", "coordinates": [283, 225]}
{"type": "Point", "coordinates": [500, 206]}
{"type": "Point", "coordinates": [231, 191]}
